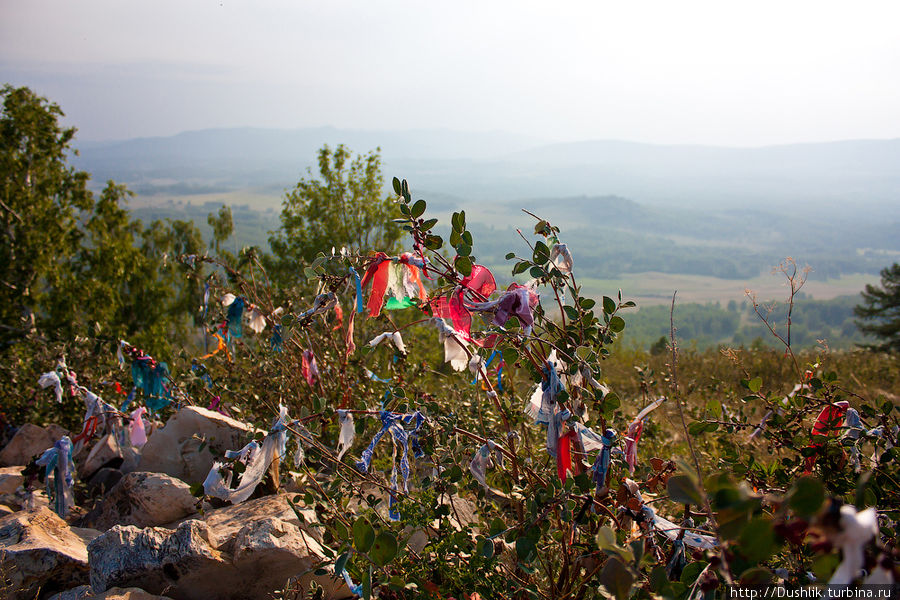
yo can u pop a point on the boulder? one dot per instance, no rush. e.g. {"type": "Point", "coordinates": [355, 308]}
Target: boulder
{"type": "Point", "coordinates": [108, 452]}
{"type": "Point", "coordinates": [225, 523]}
{"type": "Point", "coordinates": [182, 447]}
{"type": "Point", "coordinates": [10, 479]}
{"type": "Point", "coordinates": [144, 500]}
{"type": "Point", "coordinates": [38, 551]}
{"type": "Point", "coordinates": [28, 442]}
{"type": "Point", "coordinates": [84, 592]}
{"type": "Point", "coordinates": [193, 563]}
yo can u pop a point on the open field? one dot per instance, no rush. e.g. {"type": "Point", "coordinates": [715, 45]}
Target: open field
{"type": "Point", "coordinates": [648, 289]}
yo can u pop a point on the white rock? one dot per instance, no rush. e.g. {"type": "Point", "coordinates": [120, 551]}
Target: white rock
{"type": "Point", "coordinates": [30, 441]}
{"type": "Point", "coordinates": [39, 551]}
{"type": "Point", "coordinates": [10, 479]}
{"type": "Point", "coordinates": [176, 448]}
{"type": "Point", "coordinates": [260, 557]}
{"type": "Point", "coordinates": [106, 452]}
{"type": "Point", "coordinates": [84, 592]}
{"type": "Point", "coordinates": [144, 500]}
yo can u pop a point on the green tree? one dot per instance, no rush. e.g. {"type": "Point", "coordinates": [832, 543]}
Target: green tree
{"type": "Point", "coordinates": [73, 265]}
{"type": "Point", "coordinates": [345, 206]}
{"type": "Point", "coordinates": [41, 197]}
{"type": "Point", "coordinates": [131, 282]}
{"type": "Point", "coordinates": [879, 312]}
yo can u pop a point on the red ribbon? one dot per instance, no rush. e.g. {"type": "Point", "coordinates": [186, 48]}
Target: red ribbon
{"type": "Point", "coordinates": [377, 275]}
{"type": "Point", "coordinates": [829, 422]}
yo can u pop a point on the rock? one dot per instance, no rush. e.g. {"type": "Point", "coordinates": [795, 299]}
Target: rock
{"type": "Point", "coordinates": [6, 510]}
{"type": "Point", "coordinates": [10, 479]}
{"type": "Point", "coordinates": [28, 442]}
{"type": "Point", "coordinates": [144, 500]}
{"type": "Point", "coordinates": [225, 523]}
{"type": "Point", "coordinates": [108, 452]}
{"type": "Point", "coordinates": [105, 479]}
{"type": "Point", "coordinates": [79, 593]}
{"type": "Point", "coordinates": [192, 563]}
{"type": "Point", "coordinates": [182, 448]}
{"type": "Point", "coordinates": [40, 552]}
{"type": "Point", "coordinates": [84, 592]}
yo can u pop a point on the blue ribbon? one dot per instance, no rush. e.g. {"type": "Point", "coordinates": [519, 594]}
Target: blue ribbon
{"type": "Point", "coordinates": [359, 293]}
{"type": "Point", "coordinates": [151, 380]}
{"type": "Point", "coordinates": [486, 365]}
{"type": "Point", "coordinates": [57, 462]}
{"type": "Point", "coordinates": [601, 465]}
{"type": "Point", "coordinates": [128, 400]}
{"type": "Point", "coordinates": [276, 340]}
{"type": "Point", "coordinates": [205, 299]}
{"type": "Point", "coordinates": [393, 423]}
{"type": "Point", "coordinates": [235, 313]}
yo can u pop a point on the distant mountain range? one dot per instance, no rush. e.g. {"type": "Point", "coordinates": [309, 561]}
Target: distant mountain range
{"type": "Point", "coordinates": [859, 178]}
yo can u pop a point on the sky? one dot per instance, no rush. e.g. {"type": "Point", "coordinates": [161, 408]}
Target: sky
{"type": "Point", "coordinates": [687, 72]}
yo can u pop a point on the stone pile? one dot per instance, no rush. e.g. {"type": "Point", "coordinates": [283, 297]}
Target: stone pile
{"type": "Point", "coordinates": [142, 534]}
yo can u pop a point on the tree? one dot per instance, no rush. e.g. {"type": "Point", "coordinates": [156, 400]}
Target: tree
{"type": "Point", "coordinates": [71, 264]}
{"type": "Point", "coordinates": [879, 312]}
{"type": "Point", "coordinates": [344, 207]}
{"type": "Point", "coordinates": [41, 197]}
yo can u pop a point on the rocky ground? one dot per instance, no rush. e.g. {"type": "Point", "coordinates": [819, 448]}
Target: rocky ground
{"type": "Point", "coordinates": [139, 533]}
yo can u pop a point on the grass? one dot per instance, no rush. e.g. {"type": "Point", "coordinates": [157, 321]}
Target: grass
{"type": "Point", "coordinates": [656, 288]}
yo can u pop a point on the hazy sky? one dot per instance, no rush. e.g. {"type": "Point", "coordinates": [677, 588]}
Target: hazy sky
{"type": "Point", "coordinates": [718, 72]}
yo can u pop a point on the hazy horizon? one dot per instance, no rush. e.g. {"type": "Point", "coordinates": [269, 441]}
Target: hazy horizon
{"type": "Point", "coordinates": [696, 73]}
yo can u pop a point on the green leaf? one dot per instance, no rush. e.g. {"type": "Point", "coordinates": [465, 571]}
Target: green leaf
{"type": "Point", "coordinates": [497, 526]}
{"type": "Point", "coordinates": [464, 249]}
{"type": "Point", "coordinates": [536, 272]}
{"type": "Point", "coordinates": [526, 549]}
{"type": "Point", "coordinates": [616, 578]}
{"type": "Point", "coordinates": [418, 208]}
{"type": "Point", "coordinates": [757, 542]}
{"type": "Point", "coordinates": [617, 324]}
{"type": "Point", "coordinates": [363, 534]}
{"type": "Point", "coordinates": [539, 228]}
{"type": "Point", "coordinates": [691, 572]}
{"type": "Point", "coordinates": [755, 384]}
{"type": "Point", "coordinates": [429, 224]}
{"type": "Point", "coordinates": [510, 255]}
{"type": "Point", "coordinates": [510, 356]}
{"type": "Point", "coordinates": [756, 576]}
{"type": "Point", "coordinates": [696, 428]}
{"type": "Point", "coordinates": [520, 267]}
{"type": "Point", "coordinates": [340, 563]}
{"type": "Point", "coordinates": [683, 490]}
{"type": "Point", "coordinates": [541, 253]}
{"type": "Point", "coordinates": [464, 265]}
{"type": "Point", "coordinates": [824, 566]}
{"type": "Point", "coordinates": [583, 482]}
{"type": "Point", "coordinates": [384, 549]}
{"type": "Point", "coordinates": [366, 583]}
{"type": "Point", "coordinates": [658, 579]}
{"type": "Point", "coordinates": [487, 550]}
{"type": "Point", "coordinates": [396, 184]}
{"type": "Point", "coordinates": [806, 496]}
{"type": "Point", "coordinates": [609, 305]}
